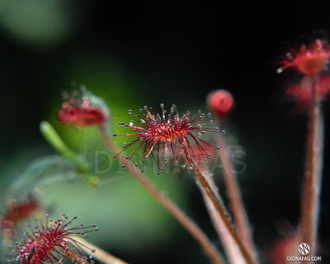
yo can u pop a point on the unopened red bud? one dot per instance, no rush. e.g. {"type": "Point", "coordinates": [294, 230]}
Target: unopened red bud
{"type": "Point", "coordinates": [80, 111]}
{"type": "Point", "coordinates": [220, 103]}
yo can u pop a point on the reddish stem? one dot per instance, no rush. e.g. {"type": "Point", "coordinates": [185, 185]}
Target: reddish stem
{"type": "Point", "coordinates": [233, 253]}
{"type": "Point", "coordinates": [220, 208]}
{"type": "Point", "coordinates": [313, 173]}
{"type": "Point", "coordinates": [235, 199]}
{"type": "Point", "coordinates": [169, 205]}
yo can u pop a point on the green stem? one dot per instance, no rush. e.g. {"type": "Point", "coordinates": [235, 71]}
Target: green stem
{"type": "Point", "coordinates": [55, 140]}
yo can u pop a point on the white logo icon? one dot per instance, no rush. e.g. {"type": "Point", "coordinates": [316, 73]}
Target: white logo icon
{"type": "Point", "coordinates": [304, 249]}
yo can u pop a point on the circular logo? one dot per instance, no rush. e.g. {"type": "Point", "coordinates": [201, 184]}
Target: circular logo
{"type": "Point", "coordinates": [304, 249]}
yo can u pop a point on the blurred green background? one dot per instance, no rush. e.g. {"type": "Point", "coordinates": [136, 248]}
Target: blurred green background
{"type": "Point", "coordinates": [136, 53]}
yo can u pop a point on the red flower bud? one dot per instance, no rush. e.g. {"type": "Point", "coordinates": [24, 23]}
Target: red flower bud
{"type": "Point", "coordinates": [220, 103]}
{"type": "Point", "coordinates": [79, 110]}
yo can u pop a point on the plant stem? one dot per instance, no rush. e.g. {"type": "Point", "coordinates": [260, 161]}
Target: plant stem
{"type": "Point", "coordinates": [99, 254]}
{"type": "Point", "coordinates": [220, 208]}
{"type": "Point", "coordinates": [235, 200]}
{"type": "Point", "coordinates": [55, 140]}
{"type": "Point", "coordinates": [233, 253]}
{"type": "Point", "coordinates": [76, 258]}
{"type": "Point", "coordinates": [313, 173]}
{"type": "Point", "coordinates": [169, 205]}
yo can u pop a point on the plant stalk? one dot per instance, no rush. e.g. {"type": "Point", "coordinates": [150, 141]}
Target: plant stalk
{"type": "Point", "coordinates": [235, 199]}
{"type": "Point", "coordinates": [169, 205]}
{"type": "Point", "coordinates": [55, 140]}
{"type": "Point", "coordinates": [99, 254]}
{"type": "Point", "coordinates": [220, 209]}
{"type": "Point", "coordinates": [313, 173]}
{"type": "Point", "coordinates": [233, 253]}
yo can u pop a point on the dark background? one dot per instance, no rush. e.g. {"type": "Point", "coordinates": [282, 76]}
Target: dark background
{"type": "Point", "coordinates": [170, 52]}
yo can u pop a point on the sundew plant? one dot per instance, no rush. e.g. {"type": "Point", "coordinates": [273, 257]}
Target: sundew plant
{"type": "Point", "coordinates": [166, 138]}
{"type": "Point", "coordinates": [123, 168]}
